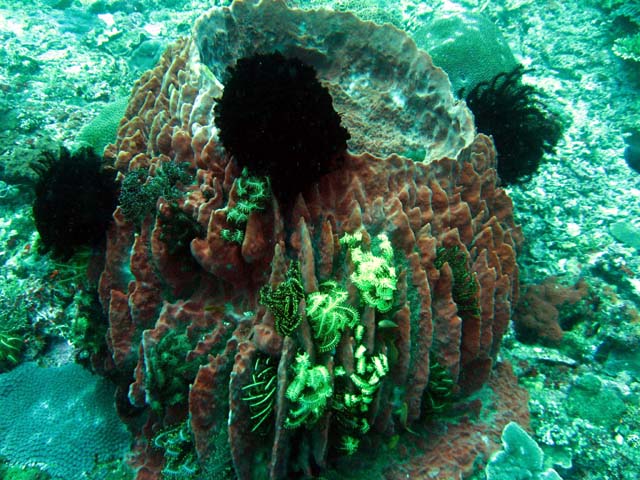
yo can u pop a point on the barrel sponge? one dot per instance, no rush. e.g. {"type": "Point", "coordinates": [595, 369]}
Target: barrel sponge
{"type": "Point", "coordinates": [60, 418]}
{"type": "Point", "coordinates": [468, 46]}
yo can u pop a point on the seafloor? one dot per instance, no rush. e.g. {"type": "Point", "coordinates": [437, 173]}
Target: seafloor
{"type": "Point", "coordinates": [62, 61]}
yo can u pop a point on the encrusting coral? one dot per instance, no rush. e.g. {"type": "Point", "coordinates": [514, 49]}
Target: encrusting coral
{"type": "Point", "coordinates": [336, 289]}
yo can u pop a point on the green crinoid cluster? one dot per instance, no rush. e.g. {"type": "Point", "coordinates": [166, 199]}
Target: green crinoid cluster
{"type": "Point", "coordinates": [284, 300]}
{"type": "Point", "coordinates": [465, 285]}
{"type": "Point", "coordinates": [10, 349]}
{"type": "Point", "coordinates": [310, 392]}
{"type": "Point", "coordinates": [374, 274]}
{"type": "Point", "coordinates": [329, 314]}
{"type": "Point", "coordinates": [355, 392]}
{"type": "Point", "coordinates": [139, 192]}
{"type": "Point", "coordinates": [438, 396]}
{"type": "Point", "coordinates": [252, 194]}
{"type": "Point", "coordinates": [179, 452]}
{"type": "Point", "coordinates": [169, 373]}
{"type": "Point", "coordinates": [261, 392]}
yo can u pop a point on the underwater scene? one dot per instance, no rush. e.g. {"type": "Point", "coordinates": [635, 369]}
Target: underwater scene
{"type": "Point", "coordinates": [332, 239]}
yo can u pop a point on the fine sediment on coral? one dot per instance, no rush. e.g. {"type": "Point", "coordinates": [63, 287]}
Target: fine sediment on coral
{"type": "Point", "coordinates": [443, 232]}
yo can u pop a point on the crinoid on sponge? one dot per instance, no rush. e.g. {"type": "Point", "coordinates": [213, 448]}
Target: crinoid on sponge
{"type": "Point", "coordinates": [75, 198]}
{"type": "Point", "coordinates": [260, 394]}
{"type": "Point", "coordinates": [283, 300]}
{"type": "Point", "coordinates": [374, 275]}
{"type": "Point", "coordinates": [329, 314]}
{"type": "Point", "coordinates": [277, 119]}
{"type": "Point", "coordinates": [310, 392]}
{"type": "Point", "coordinates": [179, 452]}
{"type": "Point", "coordinates": [523, 127]}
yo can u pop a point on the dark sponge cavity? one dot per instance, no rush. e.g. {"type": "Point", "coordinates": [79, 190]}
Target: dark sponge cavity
{"type": "Point", "coordinates": [277, 120]}
{"type": "Point", "coordinates": [75, 199]}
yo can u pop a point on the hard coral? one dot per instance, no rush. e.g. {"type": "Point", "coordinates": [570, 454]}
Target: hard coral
{"type": "Point", "coordinates": [257, 300]}
{"type": "Point", "coordinates": [468, 46]}
{"type": "Point", "coordinates": [276, 119]}
{"type": "Point", "coordinates": [74, 200]}
{"type": "Point", "coordinates": [49, 412]}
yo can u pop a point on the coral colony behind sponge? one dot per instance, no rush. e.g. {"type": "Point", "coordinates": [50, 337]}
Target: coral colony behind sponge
{"type": "Point", "coordinates": [74, 200]}
{"type": "Point", "coordinates": [277, 120]}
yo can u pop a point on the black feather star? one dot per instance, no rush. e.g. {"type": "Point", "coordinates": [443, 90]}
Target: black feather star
{"type": "Point", "coordinates": [523, 127]}
{"type": "Point", "coordinates": [278, 120]}
{"type": "Point", "coordinates": [75, 198]}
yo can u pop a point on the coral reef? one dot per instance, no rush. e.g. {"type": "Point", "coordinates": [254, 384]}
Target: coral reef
{"type": "Point", "coordinates": [351, 368]}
